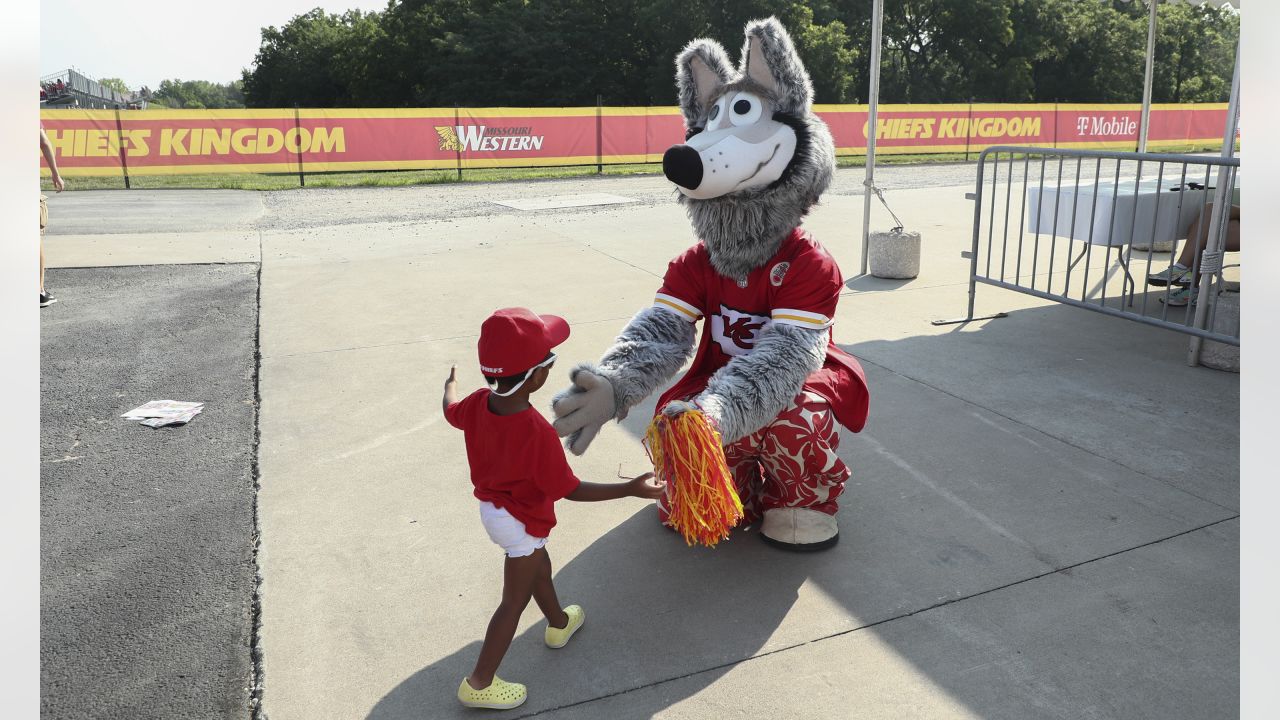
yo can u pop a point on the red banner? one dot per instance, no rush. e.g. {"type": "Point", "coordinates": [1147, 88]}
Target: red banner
{"type": "Point", "coordinates": [907, 129]}
{"type": "Point", "coordinates": [103, 142]}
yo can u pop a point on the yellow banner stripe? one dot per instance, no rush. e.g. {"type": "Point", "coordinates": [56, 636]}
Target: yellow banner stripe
{"type": "Point", "coordinates": [100, 115]}
{"type": "Point", "coordinates": [640, 111]}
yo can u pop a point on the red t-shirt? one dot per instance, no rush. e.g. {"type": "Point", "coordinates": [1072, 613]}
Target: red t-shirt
{"type": "Point", "coordinates": [517, 461]}
{"type": "Point", "coordinates": [799, 285]}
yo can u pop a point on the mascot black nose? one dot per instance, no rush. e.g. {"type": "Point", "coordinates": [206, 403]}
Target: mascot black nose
{"type": "Point", "coordinates": [683, 166]}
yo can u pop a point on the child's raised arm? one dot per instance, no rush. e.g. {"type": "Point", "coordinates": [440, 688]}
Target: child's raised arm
{"type": "Point", "coordinates": [642, 487]}
{"type": "Point", "coordinates": [450, 389]}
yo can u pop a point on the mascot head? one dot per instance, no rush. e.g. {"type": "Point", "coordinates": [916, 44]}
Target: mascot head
{"type": "Point", "coordinates": [755, 157]}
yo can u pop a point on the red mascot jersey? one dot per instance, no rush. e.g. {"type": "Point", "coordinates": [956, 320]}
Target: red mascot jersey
{"type": "Point", "coordinates": [798, 286]}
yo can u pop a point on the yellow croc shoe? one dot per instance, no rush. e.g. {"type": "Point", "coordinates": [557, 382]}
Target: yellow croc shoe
{"type": "Point", "coordinates": [500, 695]}
{"type": "Point", "coordinates": [559, 637]}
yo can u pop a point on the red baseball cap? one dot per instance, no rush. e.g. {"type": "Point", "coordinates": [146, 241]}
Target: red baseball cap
{"type": "Point", "coordinates": [513, 340]}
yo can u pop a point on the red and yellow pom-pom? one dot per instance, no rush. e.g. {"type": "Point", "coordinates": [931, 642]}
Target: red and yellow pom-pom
{"type": "Point", "coordinates": [687, 454]}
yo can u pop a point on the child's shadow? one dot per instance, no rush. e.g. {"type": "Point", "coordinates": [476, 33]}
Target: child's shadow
{"type": "Point", "coordinates": [656, 610]}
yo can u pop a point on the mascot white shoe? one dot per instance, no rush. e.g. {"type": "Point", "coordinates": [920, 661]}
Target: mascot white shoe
{"type": "Point", "coordinates": [767, 374]}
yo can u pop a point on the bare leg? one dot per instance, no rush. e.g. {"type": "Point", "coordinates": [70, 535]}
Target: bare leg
{"type": "Point", "coordinates": [42, 262]}
{"type": "Point", "coordinates": [519, 575]}
{"type": "Point", "coordinates": [544, 593]}
{"type": "Point", "coordinates": [1198, 235]}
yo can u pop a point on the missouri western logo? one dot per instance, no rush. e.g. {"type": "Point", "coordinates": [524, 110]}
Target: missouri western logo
{"type": "Point", "coordinates": [736, 332]}
{"type": "Point", "coordinates": [482, 138]}
{"type": "Point", "coordinates": [448, 137]}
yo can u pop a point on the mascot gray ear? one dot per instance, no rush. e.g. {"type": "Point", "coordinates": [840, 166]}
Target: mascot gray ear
{"type": "Point", "coordinates": [702, 69]}
{"type": "Point", "coordinates": [769, 59]}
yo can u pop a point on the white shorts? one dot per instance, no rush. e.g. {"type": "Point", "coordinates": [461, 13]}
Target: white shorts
{"type": "Point", "coordinates": [507, 532]}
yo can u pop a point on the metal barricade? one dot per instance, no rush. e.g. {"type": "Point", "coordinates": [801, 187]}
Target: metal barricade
{"type": "Point", "coordinates": [1095, 229]}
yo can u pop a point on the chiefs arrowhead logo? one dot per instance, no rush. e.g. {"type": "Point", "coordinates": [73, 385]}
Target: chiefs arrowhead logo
{"type": "Point", "coordinates": [736, 332]}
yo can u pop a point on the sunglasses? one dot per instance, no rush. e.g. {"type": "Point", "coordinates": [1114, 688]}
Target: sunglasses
{"type": "Point", "coordinates": [551, 358]}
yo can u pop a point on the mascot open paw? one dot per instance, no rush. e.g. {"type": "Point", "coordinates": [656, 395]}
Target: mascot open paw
{"type": "Point", "coordinates": [766, 373]}
{"type": "Point", "coordinates": [584, 407]}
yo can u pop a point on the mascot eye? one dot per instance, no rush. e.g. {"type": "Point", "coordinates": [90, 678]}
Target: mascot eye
{"type": "Point", "coordinates": [716, 117]}
{"type": "Point", "coordinates": [747, 109]}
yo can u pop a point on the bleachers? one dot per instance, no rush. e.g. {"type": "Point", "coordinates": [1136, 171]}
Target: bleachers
{"type": "Point", "coordinates": [78, 90]}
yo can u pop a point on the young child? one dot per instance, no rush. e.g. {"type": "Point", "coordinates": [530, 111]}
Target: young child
{"type": "Point", "coordinates": [519, 470]}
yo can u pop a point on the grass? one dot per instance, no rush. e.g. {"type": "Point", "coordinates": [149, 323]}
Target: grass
{"type": "Point", "coordinates": [401, 178]}
{"type": "Point", "coordinates": [847, 161]}
{"type": "Point", "coordinates": [386, 178]}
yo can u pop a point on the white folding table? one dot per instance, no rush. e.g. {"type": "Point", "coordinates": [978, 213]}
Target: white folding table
{"type": "Point", "coordinates": [1114, 214]}
{"type": "Point", "coordinates": [1104, 214]}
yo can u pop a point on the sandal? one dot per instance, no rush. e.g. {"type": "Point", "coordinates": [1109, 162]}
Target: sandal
{"type": "Point", "coordinates": [500, 695]}
{"type": "Point", "coordinates": [1183, 296]}
{"type": "Point", "coordinates": [559, 637]}
{"type": "Point", "coordinates": [1172, 275]}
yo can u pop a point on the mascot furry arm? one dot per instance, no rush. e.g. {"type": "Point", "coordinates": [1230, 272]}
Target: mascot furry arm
{"type": "Point", "coordinates": [740, 398]}
{"type": "Point", "coordinates": [651, 348]}
{"type": "Point", "coordinates": [742, 221]}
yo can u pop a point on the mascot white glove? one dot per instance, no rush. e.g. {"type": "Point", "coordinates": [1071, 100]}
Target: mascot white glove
{"type": "Point", "coordinates": [583, 408]}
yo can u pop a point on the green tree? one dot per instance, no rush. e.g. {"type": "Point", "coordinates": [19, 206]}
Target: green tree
{"type": "Point", "coordinates": [826, 49]}
{"type": "Point", "coordinates": [1189, 41]}
{"type": "Point", "coordinates": [198, 94]}
{"type": "Point", "coordinates": [114, 83]}
{"type": "Point", "coordinates": [948, 50]}
{"type": "Point", "coordinates": [1096, 52]}
{"type": "Point", "coordinates": [317, 59]}
{"type": "Point", "coordinates": [564, 52]}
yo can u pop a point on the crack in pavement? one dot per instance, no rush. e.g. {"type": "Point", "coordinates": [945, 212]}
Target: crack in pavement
{"type": "Point", "coordinates": [256, 677]}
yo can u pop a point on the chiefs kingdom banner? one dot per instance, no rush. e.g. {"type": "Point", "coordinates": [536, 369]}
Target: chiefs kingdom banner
{"type": "Point", "coordinates": [155, 142]}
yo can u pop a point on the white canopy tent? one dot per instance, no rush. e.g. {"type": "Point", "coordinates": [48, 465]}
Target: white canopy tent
{"type": "Point", "coordinates": [873, 100]}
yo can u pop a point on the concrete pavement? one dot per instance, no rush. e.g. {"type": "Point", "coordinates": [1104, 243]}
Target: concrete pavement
{"type": "Point", "coordinates": [1042, 519]}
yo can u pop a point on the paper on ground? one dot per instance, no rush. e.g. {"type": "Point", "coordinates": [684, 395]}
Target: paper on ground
{"type": "Point", "coordinates": [181, 419]}
{"type": "Point", "coordinates": [159, 413]}
{"type": "Point", "coordinates": [162, 408]}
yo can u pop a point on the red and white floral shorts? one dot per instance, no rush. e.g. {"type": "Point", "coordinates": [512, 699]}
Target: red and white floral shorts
{"type": "Point", "coordinates": [791, 462]}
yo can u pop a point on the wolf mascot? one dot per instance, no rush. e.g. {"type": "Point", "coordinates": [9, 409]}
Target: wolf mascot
{"type": "Point", "coordinates": [767, 373]}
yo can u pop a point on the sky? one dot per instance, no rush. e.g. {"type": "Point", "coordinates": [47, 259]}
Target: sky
{"type": "Point", "coordinates": [146, 41]}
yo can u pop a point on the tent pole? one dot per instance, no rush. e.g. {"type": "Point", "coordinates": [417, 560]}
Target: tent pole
{"type": "Point", "coordinates": [1146, 82]}
{"type": "Point", "coordinates": [1221, 214]}
{"type": "Point", "coordinates": [873, 99]}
